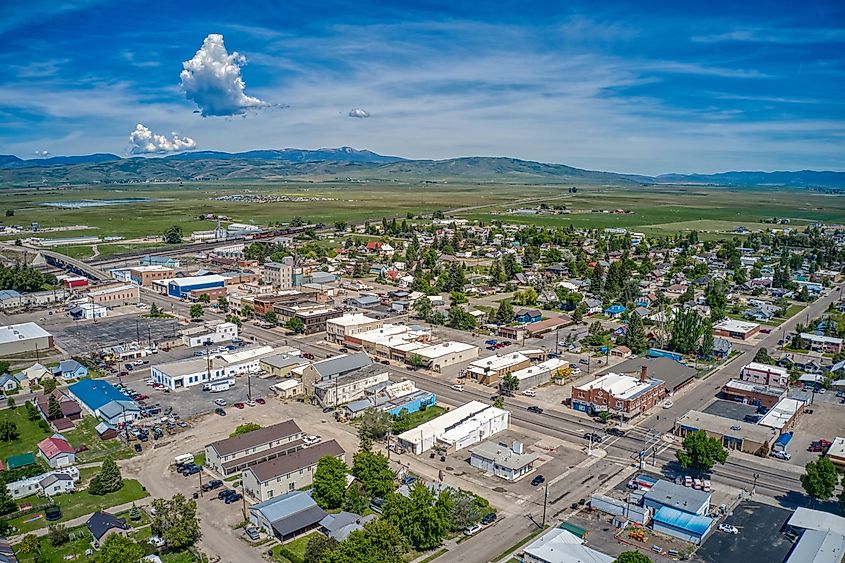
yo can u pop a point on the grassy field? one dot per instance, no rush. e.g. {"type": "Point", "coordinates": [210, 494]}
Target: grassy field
{"type": "Point", "coordinates": [654, 209]}
{"type": "Point", "coordinates": [421, 417]}
{"type": "Point", "coordinates": [297, 547]}
{"type": "Point", "coordinates": [81, 503]}
{"type": "Point", "coordinates": [85, 433]}
{"type": "Point", "coordinates": [30, 433]}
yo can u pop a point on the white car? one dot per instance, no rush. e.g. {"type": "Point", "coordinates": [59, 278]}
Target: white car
{"type": "Point", "coordinates": [786, 456]}
{"type": "Point", "coordinates": [458, 387]}
{"type": "Point", "coordinates": [220, 402]}
{"type": "Point", "coordinates": [155, 541]}
{"type": "Point", "coordinates": [472, 530]}
{"type": "Point", "coordinates": [310, 440]}
{"type": "Point", "coordinates": [575, 370]}
{"type": "Point", "coordinates": [668, 404]}
{"type": "Point", "coordinates": [529, 393]}
{"type": "Point", "coordinates": [728, 529]}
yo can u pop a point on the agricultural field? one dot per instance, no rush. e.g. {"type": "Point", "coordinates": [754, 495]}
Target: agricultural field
{"type": "Point", "coordinates": [149, 209]}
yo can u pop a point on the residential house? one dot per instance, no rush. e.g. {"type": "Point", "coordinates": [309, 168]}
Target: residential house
{"type": "Point", "coordinates": [70, 369]}
{"type": "Point", "coordinates": [8, 383]}
{"type": "Point", "coordinates": [57, 451]}
{"type": "Point", "coordinates": [102, 524]}
{"type": "Point", "coordinates": [615, 311]}
{"type": "Point", "coordinates": [339, 526]}
{"type": "Point", "coordinates": [508, 463]}
{"type": "Point", "coordinates": [526, 316]}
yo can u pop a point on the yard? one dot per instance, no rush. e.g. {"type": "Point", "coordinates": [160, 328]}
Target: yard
{"type": "Point", "coordinates": [296, 547]}
{"type": "Point", "coordinates": [98, 449]}
{"type": "Point", "coordinates": [78, 504]}
{"type": "Point", "coordinates": [421, 417]}
{"type": "Point", "coordinates": [30, 433]}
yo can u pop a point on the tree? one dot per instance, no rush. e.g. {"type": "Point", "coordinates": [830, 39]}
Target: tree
{"type": "Point", "coordinates": [416, 360]}
{"type": "Point", "coordinates": [176, 521]}
{"type": "Point", "coordinates": [246, 311]}
{"type": "Point", "coordinates": [465, 511]}
{"type": "Point", "coordinates": [244, 428]}
{"type": "Point", "coordinates": [54, 408]}
{"type": "Point", "coordinates": [173, 235]}
{"type": "Point", "coordinates": [762, 356]}
{"type": "Point", "coordinates": [372, 469]}
{"type": "Point", "coordinates": [422, 521]}
{"type": "Point", "coordinates": [379, 542]}
{"type": "Point", "coordinates": [7, 503]}
{"type": "Point", "coordinates": [356, 499]}
{"type": "Point", "coordinates": [504, 314]}
{"type": "Point", "coordinates": [9, 431]}
{"type": "Point", "coordinates": [271, 317]}
{"type": "Point", "coordinates": [29, 544]}
{"type": "Point", "coordinates": [329, 482]}
{"type": "Point", "coordinates": [707, 341]}
{"type": "Point", "coordinates": [635, 336]}
{"type": "Point", "coordinates": [204, 298]}
{"type": "Point", "coordinates": [295, 324]}
{"type": "Point", "coordinates": [49, 384]}
{"type": "Point", "coordinates": [701, 452]}
{"type": "Point", "coordinates": [499, 403]}
{"type": "Point", "coordinates": [120, 549]}
{"type": "Point", "coordinates": [819, 479]}
{"type": "Point", "coordinates": [10, 213]}
{"type": "Point", "coordinates": [423, 308]}
{"type": "Point", "coordinates": [108, 480]}
{"type": "Point", "coordinates": [460, 319]}
{"type": "Point", "coordinates": [58, 535]}
{"type": "Point", "coordinates": [155, 311]}
{"type": "Point", "coordinates": [318, 546]}
{"type": "Point", "coordinates": [510, 383]}
{"type": "Point", "coordinates": [632, 556]}
{"type": "Point", "coordinates": [223, 303]}
{"type": "Point", "coordinates": [196, 311]}
{"type": "Point", "coordinates": [374, 424]}
{"type": "Point", "coordinates": [686, 331]}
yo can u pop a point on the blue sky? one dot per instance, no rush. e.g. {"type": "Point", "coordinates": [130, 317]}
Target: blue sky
{"type": "Point", "coordinates": [646, 87]}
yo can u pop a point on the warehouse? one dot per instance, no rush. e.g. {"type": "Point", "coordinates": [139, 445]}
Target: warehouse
{"type": "Point", "coordinates": [24, 337]}
{"type": "Point", "coordinates": [115, 296]}
{"type": "Point", "coordinates": [457, 429]}
{"type": "Point", "coordinates": [196, 371]}
{"type": "Point", "coordinates": [682, 525]}
{"type": "Point", "coordinates": [181, 287]}
{"type": "Point", "coordinates": [103, 400]}
{"type": "Point", "coordinates": [734, 435]}
{"type": "Point", "coordinates": [676, 497]}
{"type": "Point", "coordinates": [539, 374]}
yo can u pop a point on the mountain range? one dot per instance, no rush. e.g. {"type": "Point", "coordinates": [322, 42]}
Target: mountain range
{"type": "Point", "coordinates": [346, 162]}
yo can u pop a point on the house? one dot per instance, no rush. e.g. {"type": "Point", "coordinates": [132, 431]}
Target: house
{"type": "Point", "coordinates": [824, 344]}
{"type": "Point", "coordinates": [56, 484]}
{"type": "Point", "coordinates": [721, 347]}
{"type": "Point", "coordinates": [614, 311]}
{"type": "Point", "coordinates": [102, 524]}
{"type": "Point", "coordinates": [7, 554]}
{"type": "Point", "coordinates": [287, 516]}
{"type": "Point", "coordinates": [33, 374]}
{"type": "Point", "coordinates": [333, 367]}
{"type": "Point", "coordinates": [339, 526]}
{"type": "Point", "coordinates": [57, 451]}
{"type": "Point", "coordinates": [8, 382]}
{"type": "Point", "coordinates": [593, 306]}
{"type": "Point", "coordinates": [562, 546]}
{"type": "Point", "coordinates": [44, 485]}
{"type": "Point", "coordinates": [508, 463]}
{"type": "Point", "coordinates": [70, 408]}
{"type": "Point", "coordinates": [287, 473]}
{"type": "Point", "coordinates": [526, 316]}
{"type": "Point", "coordinates": [70, 369]}
{"type": "Point", "coordinates": [620, 351]}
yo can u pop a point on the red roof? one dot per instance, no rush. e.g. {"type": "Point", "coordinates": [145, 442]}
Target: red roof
{"type": "Point", "coordinates": [51, 447]}
{"type": "Point", "coordinates": [373, 245]}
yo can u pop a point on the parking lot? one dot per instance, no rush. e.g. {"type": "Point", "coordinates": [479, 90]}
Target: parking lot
{"type": "Point", "coordinates": [827, 421]}
{"type": "Point", "coordinates": [759, 537]}
{"type": "Point", "coordinates": [83, 337]}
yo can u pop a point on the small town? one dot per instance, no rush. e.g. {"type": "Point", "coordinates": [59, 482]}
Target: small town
{"type": "Point", "coordinates": [492, 391]}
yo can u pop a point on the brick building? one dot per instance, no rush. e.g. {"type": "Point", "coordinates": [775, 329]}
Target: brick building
{"type": "Point", "coordinates": [621, 395]}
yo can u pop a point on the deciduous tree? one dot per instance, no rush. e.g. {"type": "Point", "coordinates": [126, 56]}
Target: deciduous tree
{"type": "Point", "coordinates": [244, 428]}
{"type": "Point", "coordinates": [819, 479]}
{"type": "Point", "coordinates": [632, 556]}
{"type": "Point", "coordinates": [329, 483]}
{"type": "Point", "coordinates": [120, 549]}
{"type": "Point", "coordinates": [176, 521]}
{"type": "Point", "coordinates": [173, 235]}
{"type": "Point", "coordinates": [372, 469]}
{"type": "Point", "coordinates": [9, 431]}
{"type": "Point", "coordinates": [701, 452]}
{"type": "Point", "coordinates": [379, 542]}
{"type": "Point", "coordinates": [196, 311]}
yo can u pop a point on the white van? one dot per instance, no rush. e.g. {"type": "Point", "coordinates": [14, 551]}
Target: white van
{"type": "Point", "coordinates": [529, 393]}
{"type": "Point", "coordinates": [183, 459]}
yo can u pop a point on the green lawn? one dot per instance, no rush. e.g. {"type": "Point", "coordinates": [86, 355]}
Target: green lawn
{"type": "Point", "coordinates": [30, 433]}
{"type": "Point", "coordinates": [297, 547]}
{"type": "Point", "coordinates": [421, 417]}
{"type": "Point", "coordinates": [78, 504]}
{"type": "Point", "coordinates": [98, 450]}
{"type": "Point", "coordinates": [794, 309]}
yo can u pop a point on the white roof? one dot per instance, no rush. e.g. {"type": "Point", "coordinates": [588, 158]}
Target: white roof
{"type": "Point", "coordinates": [497, 362]}
{"type": "Point", "coordinates": [618, 385]}
{"type": "Point", "coordinates": [837, 449]}
{"type": "Point", "coordinates": [23, 331]}
{"type": "Point", "coordinates": [733, 325]}
{"type": "Point", "coordinates": [809, 519]}
{"type": "Point", "coordinates": [196, 280]}
{"type": "Point", "coordinates": [781, 413]}
{"type": "Point", "coordinates": [439, 425]}
{"type": "Point", "coordinates": [545, 367]}
{"type": "Point", "coordinates": [757, 366]}
{"type": "Point", "coordinates": [562, 546]}
{"type": "Point", "coordinates": [444, 348]}
{"type": "Point", "coordinates": [469, 425]}
{"type": "Point", "coordinates": [153, 268]}
{"type": "Point", "coordinates": [817, 338]}
{"type": "Point", "coordinates": [287, 384]}
{"type": "Point", "coordinates": [352, 320]}
{"type": "Point", "coordinates": [246, 354]}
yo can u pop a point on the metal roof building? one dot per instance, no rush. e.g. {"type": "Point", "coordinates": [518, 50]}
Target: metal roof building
{"type": "Point", "coordinates": [288, 515]}
{"type": "Point", "coordinates": [562, 546]}
{"type": "Point", "coordinates": [683, 525]}
{"type": "Point", "coordinates": [677, 497]}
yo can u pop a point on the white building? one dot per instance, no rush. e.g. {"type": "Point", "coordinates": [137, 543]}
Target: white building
{"type": "Point", "coordinates": [89, 311]}
{"type": "Point", "coordinates": [212, 332]}
{"type": "Point", "coordinates": [24, 337]}
{"type": "Point", "coordinates": [457, 429]}
{"type": "Point", "coordinates": [195, 371]}
{"type": "Point", "coordinates": [50, 483]}
{"type": "Point", "coordinates": [278, 274]}
{"type": "Point", "coordinates": [445, 354]}
{"type": "Point", "coordinates": [539, 374]}
{"type": "Point", "coordinates": [765, 374]}
{"type": "Point", "coordinates": [350, 387]}
{"type": "Point", "coordinates": [562, 546]}
{"type": "Point", "coordinates": [349, 325]}
{"type": "Point", "coordinates": [508, 463]}
{"type": "Point", "coordinates": [783, 415]}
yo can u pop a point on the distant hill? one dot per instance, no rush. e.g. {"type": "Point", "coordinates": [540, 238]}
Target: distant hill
{"type": "Point", "coordinates": [346, 162]}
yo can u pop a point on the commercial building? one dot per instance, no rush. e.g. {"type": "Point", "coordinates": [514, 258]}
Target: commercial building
{"type": "Point", "coordinates": [752, 393]}
{"type": "Point", "coordinates": [457, 429]}
{"type": "Point", "coordinates": [88, 311]}
{"type": "Point", "coordinates": [491, 369]}
{"type": "Point", "coordinates": [313, 315]}
{"type": "Point", "coordinates": [389, 340]}
{"type": "Point", "coordinates": [278, 274]}
{"type": "Point", "coordinates": [349, 387]}
{"type": "Point", "coordinates": [732, 328]}
{"type": "Point", "coordinates": [287, 516]}
{"type": "Point", "coordinates": [539, 374]}
{"type": "Point", "coordinates": [215, 367]}
{"type": "Point", "coordinates": [146, 275]}
{"type": "Point", "coordinates": [765, 374]}
{"type": "Point", "coordinates": [823, 344]}
{"type": "Point", "coordinates": [693, 528]}
{"type": "Point", "coordinates": [734, 435]}
{"type": "Point", "coordinates": [443, 355]}
{"type": "Point", "coordinates": [211, 333]}
{"type": "Point", "coordinates": [836, 451]}
{"type": "Point", "coordinates": [232, 455]}
{"type": "Point", "coordinates": [674, 374]}
{"type": "Point", "coordinates": [336, 366]}
{"type": "Point", "coordinates": [821, 536]}
{"type": "Point", "coordinates": [349, 325]}
{"type": "Point", "coordinates": [281, 365]}
{"type": "Point", "coordinates": [621, 395]}
{"type": "Point", "coordinates": [287, 473]}
{"type": "Point", "coordinates": [103, 400]}
{"type": "Point", "coordinates": [115, 296]}
{"type": "Point", "coordinates": [678, 497]}
{"type": "Point", "coordinates": [561, 546]}
{"type": "Point", "coordinates": [784, 415]}
{"type": "Point", "coordinates": [181, 287]}
{"type": "Point", "coordinates": [508, 463]}
{"type": "Point", "coordinates": [288, 388]}
{"type": "Point", "coordinates": [24, 337]}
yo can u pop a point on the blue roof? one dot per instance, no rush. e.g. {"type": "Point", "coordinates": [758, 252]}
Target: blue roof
{"type": "Point", "coordinates": [95, 393]}
{"type": "Point", "coordinates": [784, 439]}
{"type": "Point", "coordinates": [277, 508]}
{"type": "Point", "coordinates": [615, 309]}
{"type": "Point", "coordinates": [9, 294]}
{"type": "Point", "coordinates": [683, 520]}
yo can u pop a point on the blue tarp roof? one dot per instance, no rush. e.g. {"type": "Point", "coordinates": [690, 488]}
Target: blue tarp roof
{"type": "Point", "coordinates": [95, 393]}
{"type": "Point", "coordinates": [683, 520]}
{"type": "Point", "coordinates": [784, 439]}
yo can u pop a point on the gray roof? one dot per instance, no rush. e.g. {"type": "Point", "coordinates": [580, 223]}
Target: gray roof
{"type": "Point", "coordinates": [678, 497]}
{"type": "Point", "coordinates": [340, 525]}
{"type": "Point", "coordinates": [342, 364]}
{"type": "Point", "coordinates": [282, 360]}
{"type": "Point", "coordinates": [256, 438]}
{"type": "Point", "coordinates": [673, 373]}
{"type": "Point", "coordinates": [116, 408]}
{"type": "Point", "coordinates": [280, 507]}
{"type": "Point", "coordinates": [294, 461]}
{"type": "Point", "coordinates": [298, 521]}
{"type": "Point", "coordinates": [818, 546]}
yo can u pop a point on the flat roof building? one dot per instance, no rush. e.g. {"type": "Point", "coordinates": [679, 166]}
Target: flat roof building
{"type": "Point", "coordinates": [734, 435]}
{"type": "Point", "coordinates": [686, 499]}
{"type": "Point", "coordinates": [215, 367]}
{"type": "Point", "coordinates": [349, 325]}
{"type": "Point", "coordinates": [784, 415]}
{"type": "Point", "coordinates": [439, 356]}
{"type": "Point", "coordinates": [752, 393]}
{"type": "Point", "coordinates": [491, 369]}
{"type": "Point", "coordinates": [618, 394]}
{"type": "Point", "coordinates": [457, 429]}
{"type": "Point", "coordinates": [23, 337]}
{"type": "Point", "coordinates": [733, 328]}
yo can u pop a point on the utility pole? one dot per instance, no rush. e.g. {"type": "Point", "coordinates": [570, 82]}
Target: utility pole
{"type": "Point", "coordinates": [200, 474]}
{"type": "Point", "coordinates": [249, 386]}
{"type": "Point", "coordinates": [545, 504]}
{"type": "Point", "coordinates": [754, 488]}
{"type": "Point", "coordinates": [137, 332]}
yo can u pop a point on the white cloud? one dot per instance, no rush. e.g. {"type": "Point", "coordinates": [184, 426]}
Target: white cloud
{"type": "Point", "coordinates": [41, 154]}
{"type": "Point", "coordinates": [144, 141]}
{"type": "Point", "coordinates": [212, 80]}
{"type": "Point", "coordinates": [358, 112]}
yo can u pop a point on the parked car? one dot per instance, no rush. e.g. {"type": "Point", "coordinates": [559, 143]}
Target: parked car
{"type": "Point", "coordinates": [472, 530]}
{"type": "Point", "coordinates": [138, 448]}
{"type": "Point", "coordinates": [728, 529]}
{"type": "Point", "coordinates": [592, 436]}
{"type": "Point", "coordinates": [529, 393]}
{"type": "Point", "coordinates": [219, 411]}
{"type": "Point", "coordinates": [538, 480]}
{"type": "Point", "coordinates": [668, 404]}
{"type": "Point", "coordinates": [488, 518]}
{"type": "Point", "coordinates": [224, 493]}
{"type": "Point", "coordinates": [239, 405]}
{"type": "Point", "coordinates": [535, 409]}
{"type": "Point", "coordinates": [250, 403]}
{"type": "Point", "coordinates": [260, 401]}
{"type": "Point", "coordinates": [220, 402]}
{"type": "Point", "coordinates": [252, 533]}
{"type": "Point", "coordinates": [458, 387]}
{"type": "Point", "coordinates": [786, 456]}
{"type": "Point", "coordinates": [614, 431]}
{"type": "Point", "coordinates": [310, 440]}
{"type": "Point", "coordinates": [233, 498]}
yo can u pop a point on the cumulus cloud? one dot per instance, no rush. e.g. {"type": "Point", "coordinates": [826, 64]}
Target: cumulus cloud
{"type": "Point", "coordinates": [144, 141]}
{"type": "Point", "coordinates": [358, 112]}
{"type": "Point", "coordinates": [212, 80]}
{"type": "Point", "coordinates": [41, 154]}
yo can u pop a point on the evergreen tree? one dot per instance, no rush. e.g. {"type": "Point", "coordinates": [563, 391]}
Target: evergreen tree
{"type": "Point", "coordinates": [7, 503]}
{"type": "Point", "coordinates": [54, 408]}
{"type": "Point", "coordinates": [635, 336]}
{"type": "Point", "coordinates": [108, 480]}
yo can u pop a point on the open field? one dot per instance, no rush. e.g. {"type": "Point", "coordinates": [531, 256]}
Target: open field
{"type": "Point", "coordinates": [653, 209]}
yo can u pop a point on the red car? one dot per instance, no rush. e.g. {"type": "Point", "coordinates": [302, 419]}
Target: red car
{"type": "Point", "coordinates": [141, 397]}
{"type": "Point", "coordinates": [239, 405]}
{"type": "Point", "coordinates": [825, 443]}
{"type": "Point", "coordinates": [261, 401]}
